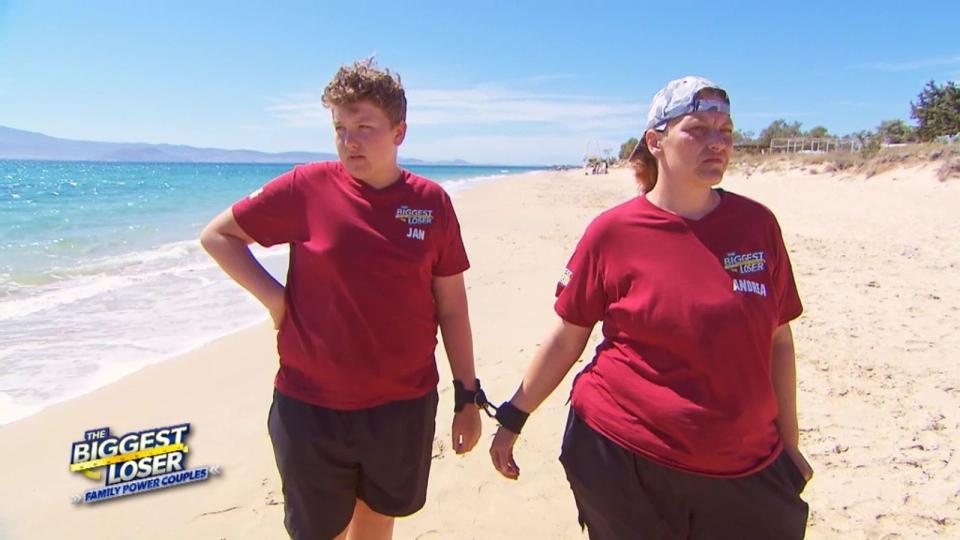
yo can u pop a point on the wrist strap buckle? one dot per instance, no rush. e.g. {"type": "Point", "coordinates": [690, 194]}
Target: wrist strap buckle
{"type": "Point", "coordinates": [507, 415]}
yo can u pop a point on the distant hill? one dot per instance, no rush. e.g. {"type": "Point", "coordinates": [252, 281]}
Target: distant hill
{"type": "Point", "coordinates": [20, 144]}
{"type": "Point", "coordinates": [412, 161]}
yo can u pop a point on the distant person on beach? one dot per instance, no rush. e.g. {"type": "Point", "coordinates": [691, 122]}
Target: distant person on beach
{"type": "Point", "coordinates": [376, 265]}
{"type": "Point", "coordinates": [684, 424]}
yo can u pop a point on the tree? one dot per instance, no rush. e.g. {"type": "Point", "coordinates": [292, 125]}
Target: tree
{"type": "Point", "coordinates": [863, 136]}
{"type": "Point", "coordinates": [742, 137]}
{"type": "Point", "coordinates": [895, 132]}
{"type": "Point", "coordinates": [627, 148]}
{"type": "Point", "coordinates": [818, 132]}
{"type": "Point", "coordinates": [937, 111]}
{"type": "Point", "coordinates": [779, 129]}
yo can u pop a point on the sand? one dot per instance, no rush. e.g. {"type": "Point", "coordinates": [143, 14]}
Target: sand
{"type": "Point", "coordinates": [878, 267]}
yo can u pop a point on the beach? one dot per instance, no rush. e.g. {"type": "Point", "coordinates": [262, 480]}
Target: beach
{"type": "Point", "coordinates": [877, 263]}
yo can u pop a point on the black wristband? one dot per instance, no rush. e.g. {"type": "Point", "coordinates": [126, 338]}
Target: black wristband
{"type": "Point", "coordinates": [511, 417]}
{"type": "Point", "coordinates": [462, 396]}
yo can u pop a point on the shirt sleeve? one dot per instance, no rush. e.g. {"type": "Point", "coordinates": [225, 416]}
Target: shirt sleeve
{"type": "Point", "coordinates": [789, 306]}
{"type": "Point", "coordinates": [274, 214]}
{"type": "Point", "coordinates": [451, 256]}
{"type": "Point", "coordinates": [581, 298]}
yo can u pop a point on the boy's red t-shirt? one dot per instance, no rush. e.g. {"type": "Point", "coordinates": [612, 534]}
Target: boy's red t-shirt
{"type": "Point", "coordinates": [360, 325]}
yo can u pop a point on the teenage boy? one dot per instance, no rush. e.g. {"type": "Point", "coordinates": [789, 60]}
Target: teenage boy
{"type": "Point", "coordinates": [376, 265]}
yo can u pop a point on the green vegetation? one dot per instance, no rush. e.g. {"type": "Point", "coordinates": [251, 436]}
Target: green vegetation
{"type": "Point", "coordinates": [937, 112]}
{"type": "Point", "coordinates": [896, 132]}
{"type": "Point", "coordinates": [870, 161]}
{"type": "Point", "coordinates": [627, 148]}
{"type": "Point", "coordinates": [779, 129]}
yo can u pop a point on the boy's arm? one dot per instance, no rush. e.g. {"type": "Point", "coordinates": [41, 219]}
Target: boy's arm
{"type": "Point", "coordinates": [453, 318]}
{"type": "Point", "coordinates": [226, 242]}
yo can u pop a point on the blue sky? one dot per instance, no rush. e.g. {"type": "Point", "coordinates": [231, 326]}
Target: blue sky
{"type": "Point", "coordinates": [494, 82]}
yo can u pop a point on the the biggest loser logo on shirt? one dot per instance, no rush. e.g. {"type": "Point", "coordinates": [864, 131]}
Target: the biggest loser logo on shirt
{"type": "Point", "coordinates": [422, 218]}
{"type": "Point", "coordinates": [746, 263]}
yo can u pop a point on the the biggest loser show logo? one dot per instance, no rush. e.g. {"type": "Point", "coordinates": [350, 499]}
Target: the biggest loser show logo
{"type": "Point", "coordinates": [137, 462]}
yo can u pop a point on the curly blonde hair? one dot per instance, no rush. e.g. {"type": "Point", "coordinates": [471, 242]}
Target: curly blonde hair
{"type": "Point", "coordinates": [364, 81]}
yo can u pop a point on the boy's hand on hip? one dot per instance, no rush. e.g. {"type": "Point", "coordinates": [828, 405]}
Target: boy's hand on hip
{"type": "Point", "coordinates": [277, 306]}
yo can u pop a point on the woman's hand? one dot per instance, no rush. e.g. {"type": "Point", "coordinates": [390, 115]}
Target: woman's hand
{"type": "Point", "coordinates": [501, 452]}
{"type": "Point", "coordinates": [801, 462]}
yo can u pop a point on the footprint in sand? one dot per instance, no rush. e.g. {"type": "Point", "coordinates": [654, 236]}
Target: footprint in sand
{"type": "Point", "coordinates": [439, 450]}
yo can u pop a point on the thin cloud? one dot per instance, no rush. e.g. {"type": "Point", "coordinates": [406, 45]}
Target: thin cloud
{"type": "Point", "coordinates": [537, 79]}
{"type": "Point", "coordinates": [911, 65]}
{"type": "Point", "coordinates": [533, 126]}
{"type": "Point", "coordinates": [484, 105]}
{"type": "Point", "coordinates": [514, 148]}
{"type": "Point", "coordinates": [771, 114]}
{"type": "Point", "coordinates": [300, 111]}
{"type": "Point", "coordinates": [496, 106]}
{"type": "Point", "coordinates": [855, 103]}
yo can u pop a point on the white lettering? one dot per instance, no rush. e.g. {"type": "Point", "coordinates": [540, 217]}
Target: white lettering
{"type": "Point", "coordinates": [745, 285]}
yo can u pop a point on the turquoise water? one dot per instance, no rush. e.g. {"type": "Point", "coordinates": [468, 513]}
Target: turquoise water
{"type": "Point", "coordinates": [101, 273]}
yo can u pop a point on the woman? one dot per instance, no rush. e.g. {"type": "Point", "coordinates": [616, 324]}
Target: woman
{"type": "Point", "coordinates": [684, 424]}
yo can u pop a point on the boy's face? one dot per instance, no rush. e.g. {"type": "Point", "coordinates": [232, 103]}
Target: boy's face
{"type": "Point", "coordinates": [366, 141]}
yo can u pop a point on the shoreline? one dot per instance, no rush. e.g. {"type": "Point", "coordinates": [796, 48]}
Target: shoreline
{"type": "Point", "coordinates": [878, 274]}
{"type": "Point", "coordinates": [114, 365]}
{"type": "Point", "coordinates": [116, 377]}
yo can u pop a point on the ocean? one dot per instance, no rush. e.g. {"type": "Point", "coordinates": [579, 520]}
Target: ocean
{"type": "Point", "coordinates": [101, 272]}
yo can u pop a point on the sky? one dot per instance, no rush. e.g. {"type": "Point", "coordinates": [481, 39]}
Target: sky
{"type": "Point", "coordinates": [513, 82]}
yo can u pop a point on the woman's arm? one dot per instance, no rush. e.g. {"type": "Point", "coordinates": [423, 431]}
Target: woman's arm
{"type": "Point", "coordinates": [784, 366]}
{"type": "Point", "coordinates": [548, 368]}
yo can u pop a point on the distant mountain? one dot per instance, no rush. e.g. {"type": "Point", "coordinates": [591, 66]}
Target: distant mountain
{"type": "Point", "coordinates": [20, 144]}
{"type": "Point", "coordinates": [412, 161]}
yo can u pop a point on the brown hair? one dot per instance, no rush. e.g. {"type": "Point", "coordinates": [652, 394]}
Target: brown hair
{"type": "Point", "coordinates": [644, 167]}
{"type": "Point", "coordinates": [363, 80]}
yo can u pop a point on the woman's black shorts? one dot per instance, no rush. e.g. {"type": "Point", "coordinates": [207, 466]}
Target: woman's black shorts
{"type": "Point", "coordinates": [621, 495]}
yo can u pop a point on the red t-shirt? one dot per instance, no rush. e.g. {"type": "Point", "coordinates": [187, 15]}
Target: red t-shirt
{"type": "Point", "coordinates": [683, 374]}
{"type": "Point", "coordinates": [360, 326]}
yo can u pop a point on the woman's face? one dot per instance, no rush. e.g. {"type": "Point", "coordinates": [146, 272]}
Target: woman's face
{"type": "Point", "coordinates": [697, 147]}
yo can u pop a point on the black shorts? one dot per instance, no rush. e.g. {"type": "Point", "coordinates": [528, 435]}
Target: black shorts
{"type": "Point", "coordinates": [328, 458]}
{"type": "Point", "coordinates": [621, 495]}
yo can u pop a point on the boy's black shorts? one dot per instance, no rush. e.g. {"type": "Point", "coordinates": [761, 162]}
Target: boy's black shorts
{"type": "Point", "coordinates": [621, 495]}
{"type": "Point", "coordinates": [328, 458]}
